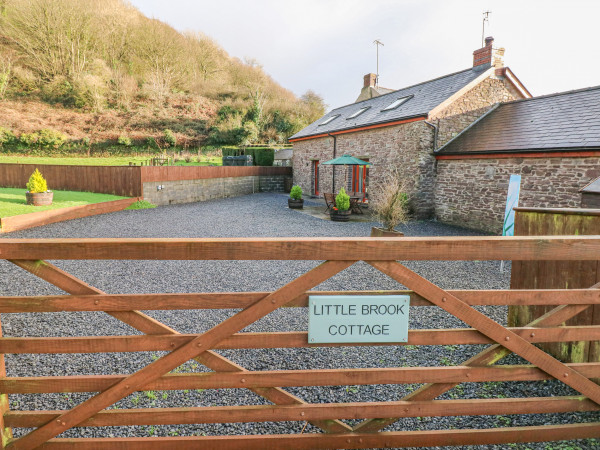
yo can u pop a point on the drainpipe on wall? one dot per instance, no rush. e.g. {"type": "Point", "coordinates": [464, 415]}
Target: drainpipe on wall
{"type": "Point", "coordinates": [334, 154]}
{"type": "Point", "coordinates": [436, 129]}
{"type": "Point", "coordinates": [435, 133]}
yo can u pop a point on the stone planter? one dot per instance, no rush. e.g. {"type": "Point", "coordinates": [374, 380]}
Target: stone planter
{"type": "Point", "coordinates": [295, 204]}
{"type": "Point", "coordinates": [39, 198]}
{"type": "Point", "coordinates": [339, 216]}
{"type": "Point", "coordinates": [380, 232]}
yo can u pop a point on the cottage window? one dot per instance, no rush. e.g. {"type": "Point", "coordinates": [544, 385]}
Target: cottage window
{"type": "Point", "coordinates": [396, 103]}
{"type": "Point", "coordinates": [330, 119]}
{"type": "Point", "coordinates": [357, 113]}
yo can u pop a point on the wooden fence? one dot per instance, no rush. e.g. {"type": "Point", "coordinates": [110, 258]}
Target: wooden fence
{"type": "Point", "coordinates": [337, 254]}
{"type": "Point", "coordinates": [176, 173]}
{"type": "Point", "coordinates": [557, 274]}
{"type": "Point", "coordinates": [116, 180]}
{"type": "Point", "coordinates": [126, 181]}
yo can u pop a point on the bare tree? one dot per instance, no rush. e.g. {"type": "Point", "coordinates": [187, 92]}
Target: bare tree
{"type": "Point", "coordinates": [160, 51]}
{"type": "Point", "coordinates": [205, 56]}
{"type": "Point", "coordinates": [55, 35]}
{"type": "Point", "coordinates": [315, 106]}
{"type": "Point", "coordinates": [115, 27]}
{"type": "Point", "coordinates": [7, 59]}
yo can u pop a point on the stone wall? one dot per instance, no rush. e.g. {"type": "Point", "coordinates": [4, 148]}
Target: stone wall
{"type": "Point", "coordinates": [472, 192]}
{"type": "Point", "coordinates": [465, 110]}
{"type": "Point", "coordinates": [188, 191]}
{"type": "Point", "coordinates": [407, 147]}
{"type": "Point", "coordinates": [271, 183]}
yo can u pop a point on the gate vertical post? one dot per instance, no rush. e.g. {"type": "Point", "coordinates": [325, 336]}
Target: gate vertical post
{"type": "Point", "coordinates": [5, 432]}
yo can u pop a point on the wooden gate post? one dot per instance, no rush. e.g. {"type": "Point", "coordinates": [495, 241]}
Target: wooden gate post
{"type": "Point", "coordinates": [6, 432]}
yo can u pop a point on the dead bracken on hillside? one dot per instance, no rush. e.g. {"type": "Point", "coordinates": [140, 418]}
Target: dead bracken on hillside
{"type": "Point", "coordinates": [97, 69]}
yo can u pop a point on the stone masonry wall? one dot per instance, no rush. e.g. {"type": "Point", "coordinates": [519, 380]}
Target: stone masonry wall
{"type": "Point", "coordinates": [472, 192]}
{"type": "Point", "coordinates": [406, 146]}
{"type": "Point", "coordinates": [468, 108]}
{"type": "Point", "coordinates": [271, 183]}
{"type": "Point", "coordinates": [305, 152]}
{"type": "Point", "coordinates": [188, 191]}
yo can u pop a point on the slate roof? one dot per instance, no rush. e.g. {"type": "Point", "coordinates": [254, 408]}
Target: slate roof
{"type": "Point", "coordinates": [562, 121]}
{"type": "Point", "coordinates": [424, 97]}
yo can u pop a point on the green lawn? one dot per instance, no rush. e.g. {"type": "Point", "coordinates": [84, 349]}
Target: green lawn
{"type": "Point", "coordinates": [13, 203]}
{"type": "Point", "coordinates": [100, 161]}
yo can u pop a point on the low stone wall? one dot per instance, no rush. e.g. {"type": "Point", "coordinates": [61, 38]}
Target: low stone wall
{"type": "Point", "coordinates": [198, 190]}
{"type": "Point", "coordinates": [271, 183]}
{"type": "Point", "coordinates": [472, 192]}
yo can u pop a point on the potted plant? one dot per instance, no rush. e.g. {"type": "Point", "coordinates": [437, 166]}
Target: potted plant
{"type": "Point", "coordinates": [341, 211]}
{"type": "Point", "coordinates": [38, 193]}
{"type": "Point", "coordinates": [390, 204]}
{"type": "Point", "coordinates": [295, 201]}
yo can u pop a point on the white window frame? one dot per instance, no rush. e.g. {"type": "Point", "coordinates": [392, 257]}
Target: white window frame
{"type": "Point", "coordinates": [396, 103]}
{"type": "Point", "coordinates": [329, 120]}
{"type": "Point", "coordinates": [357, 113]}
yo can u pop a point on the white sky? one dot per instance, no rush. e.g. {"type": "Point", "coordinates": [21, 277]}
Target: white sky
{"type": "Point", "coordinates": [327, 45]}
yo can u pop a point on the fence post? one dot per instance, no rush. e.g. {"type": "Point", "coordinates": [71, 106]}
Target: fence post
{"type": "Point", "coordinates": [6, 432]}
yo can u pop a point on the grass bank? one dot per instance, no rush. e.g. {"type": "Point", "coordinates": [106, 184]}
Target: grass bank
{"type": "Point", "coordinates": [13, 203]}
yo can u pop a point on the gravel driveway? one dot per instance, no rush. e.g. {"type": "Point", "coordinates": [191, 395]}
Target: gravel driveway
{"type": "Point", "coordinates": [258, 215]}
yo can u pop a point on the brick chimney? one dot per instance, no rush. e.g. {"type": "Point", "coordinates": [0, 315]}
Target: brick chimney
{"type": "Point", "coordinates": [488, 56]}
{"type": "Point", "coordinates": [369, 80]}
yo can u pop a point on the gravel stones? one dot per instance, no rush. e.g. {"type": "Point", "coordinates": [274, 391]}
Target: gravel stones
{"type": "Point", "coordinates": [258, 215]}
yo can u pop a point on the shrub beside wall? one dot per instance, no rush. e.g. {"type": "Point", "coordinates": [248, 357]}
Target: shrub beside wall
{"type": "Point", "coordinates": [261, 156]}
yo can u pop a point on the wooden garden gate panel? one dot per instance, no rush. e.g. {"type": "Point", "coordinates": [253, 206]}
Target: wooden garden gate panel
{"type": "Point", "coordinates": [337, 254]}
{"type": "Point", "coordinates": [557, 274]}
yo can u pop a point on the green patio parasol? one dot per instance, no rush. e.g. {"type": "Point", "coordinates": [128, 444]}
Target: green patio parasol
{"type": "Point", "coordinates": [347, 160]}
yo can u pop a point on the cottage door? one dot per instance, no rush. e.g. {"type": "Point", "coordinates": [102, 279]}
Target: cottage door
{"type": "Point", "coordinates": [315, 177]}
{"type": "Point", "coordinates": [360, 178]}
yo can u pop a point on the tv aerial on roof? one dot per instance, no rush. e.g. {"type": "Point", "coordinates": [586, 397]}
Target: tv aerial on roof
{"type": "Point", "coordinates": [486, 18]}
{"type": "Point", "coordinates": [377, 42]}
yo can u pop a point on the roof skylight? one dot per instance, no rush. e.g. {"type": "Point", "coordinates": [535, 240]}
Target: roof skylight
{"type": "Point", "coordinates": [330, 119]}
{"type": "Point", "coordinates": [358, 113]}
{"type": "Point", "coordinates": [396, 103]}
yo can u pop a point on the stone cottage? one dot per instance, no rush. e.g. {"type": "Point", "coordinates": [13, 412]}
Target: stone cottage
{"type": "Point", "coordinates": [552, 141]}
{"type": "Point", "coordinates": [402, 128]}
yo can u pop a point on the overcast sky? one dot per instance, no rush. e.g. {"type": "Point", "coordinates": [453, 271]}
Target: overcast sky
{"type": "Point", "coordinates": [327, 45]}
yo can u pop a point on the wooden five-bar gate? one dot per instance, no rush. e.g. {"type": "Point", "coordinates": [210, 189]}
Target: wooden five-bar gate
{"type": "Point", "coordinates": [338, 254]}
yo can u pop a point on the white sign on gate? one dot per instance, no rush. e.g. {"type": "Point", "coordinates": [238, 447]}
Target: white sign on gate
{"type": "Point", "coordinates": [357, 318]}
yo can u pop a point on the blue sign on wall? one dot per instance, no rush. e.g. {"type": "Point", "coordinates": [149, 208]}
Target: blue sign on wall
{"type": "Point", "coordinates": [357, 318]}
{"type": "Point", "coordinates": [512, 201]}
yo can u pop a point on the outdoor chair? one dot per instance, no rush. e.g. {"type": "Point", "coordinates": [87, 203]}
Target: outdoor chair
{"type": "Point", "coordinates": [356, 198]}
{"type": "Point", "coordinates": [329, 200]}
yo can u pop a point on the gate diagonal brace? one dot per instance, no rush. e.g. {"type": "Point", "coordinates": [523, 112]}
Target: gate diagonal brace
{"type": "Point", "coordinates": [493, 353]}
{"type": "Point", "coordinates": [172, 360]}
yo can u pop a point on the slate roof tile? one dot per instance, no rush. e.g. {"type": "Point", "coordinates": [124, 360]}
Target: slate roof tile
{"type": "Point", "coordinates": [423, 98]}
{"type": "Point", "coordinates": [567, 120]}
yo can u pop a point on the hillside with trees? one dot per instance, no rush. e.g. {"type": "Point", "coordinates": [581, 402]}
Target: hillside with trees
{"type": "Point", "coordinates": [99, 73]}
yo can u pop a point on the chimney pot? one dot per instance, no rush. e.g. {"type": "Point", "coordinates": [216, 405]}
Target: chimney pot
{"type": "Point", "coordinates": [488, 56]}
{"type": "Point", "coordinates": [369, 80]}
